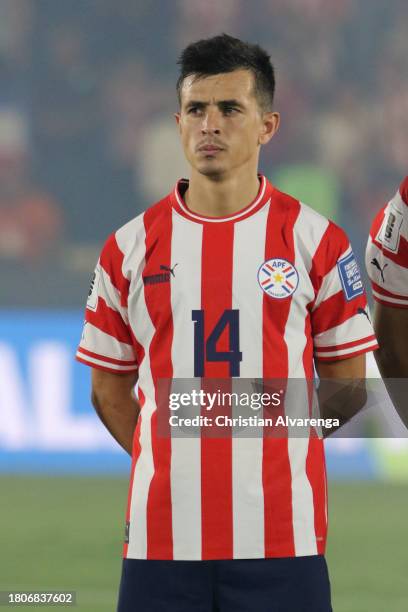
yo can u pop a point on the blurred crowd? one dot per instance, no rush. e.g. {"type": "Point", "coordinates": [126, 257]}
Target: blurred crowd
{"type": "Point", "coordinates": [87, 136]}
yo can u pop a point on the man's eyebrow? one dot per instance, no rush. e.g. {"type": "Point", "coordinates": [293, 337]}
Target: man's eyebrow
{"type": "Point", "coordinates": [220, 103]}
{"type": "Point", "coordinates": [231, 102]}
{"type": "Point", "coordinates": [196, 103]}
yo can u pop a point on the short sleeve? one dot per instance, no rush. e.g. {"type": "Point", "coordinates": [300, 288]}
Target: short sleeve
{"type": "Point", "coordinates": [340, 320]}
{"type": "Point", "coordinates": [387, 251]}
{"type": "Point", "coordinates": [106, 341]}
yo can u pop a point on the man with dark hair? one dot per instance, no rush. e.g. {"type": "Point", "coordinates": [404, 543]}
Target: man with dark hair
{"type": "Point", "coordinates": [226, 278]}
{"type": "Point", "coordinates": [223, 54]}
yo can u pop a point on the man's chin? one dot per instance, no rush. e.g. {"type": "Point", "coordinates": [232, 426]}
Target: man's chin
{"type": "Point", "coordinates": [212, 170]}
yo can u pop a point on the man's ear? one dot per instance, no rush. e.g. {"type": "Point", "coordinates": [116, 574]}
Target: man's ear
{"type": "Point", "coordinates": [177, 117]}
{"type": "Point", "coordinates": [270, 127]}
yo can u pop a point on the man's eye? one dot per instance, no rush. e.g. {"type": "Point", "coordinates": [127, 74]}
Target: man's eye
{"type": "Point", "coordinates": [228, 110]}
{"type": "Point", "coordinates": [194, 110]}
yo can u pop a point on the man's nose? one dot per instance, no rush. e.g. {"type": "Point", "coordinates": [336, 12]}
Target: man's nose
{"type": "Point", "coordinates": [211, 123]}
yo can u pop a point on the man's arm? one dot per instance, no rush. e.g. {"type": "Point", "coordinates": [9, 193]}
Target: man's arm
{"type": "Point", "coordinates": [114, 399]}
{"type": "Point", "coordinates": [342, 391]}
{"type": "Point", "coordinates": [391, 327]}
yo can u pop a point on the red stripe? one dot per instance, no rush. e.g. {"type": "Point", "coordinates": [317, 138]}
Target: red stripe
{"type": "Point", "coordinates": [331, 247]}
{"type": "Point", "coordinates": [404, 190]}
{"type": "Point", "coordinates": [158, 302]}
{"type": "Point", "coordinates": [315, 460]}
{"type": "Point", "coordinates": [400, 258]}
{"type": "Point", "coordinates": [316, 473]}
{"type": "Point", "coordinates": [103, 368]}
{"type": "Point", "coordinates": [340, 347]}
{"type": "Point", "coordinates": [109, 321]}
{"type": "Point", "coordinates": [376, 224]}
{"type": "Point", "coordinates": [386, 293]}
{"type": "Point", "coordinates": [216, 452]}
{"type": "Point", "coordinates": [136, 450]}
{"type": "Point", "coordinates": [104, 358]}
{"type": "Point", "coordinates": [368, 349]}
{"type": "Point", "coordinates": [276, 474]}
{"type": "Point", "coordinates": [111, 260]}
{"type": "Point", "coordinates": [336, 310]}
{"type": "Point", "coordinates": [391, 304]}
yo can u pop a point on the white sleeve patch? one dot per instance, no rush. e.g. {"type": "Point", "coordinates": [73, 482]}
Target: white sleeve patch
{"type": "Point", "coordinates": [390, 230]}
{"type": "Point", "coordinates": [92, 302]}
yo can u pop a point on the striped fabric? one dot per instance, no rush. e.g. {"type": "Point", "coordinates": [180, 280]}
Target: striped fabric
{"type": "Point", "coordinates": [387, 251]}
{"type": "Point", "coordinates": [229, 497]}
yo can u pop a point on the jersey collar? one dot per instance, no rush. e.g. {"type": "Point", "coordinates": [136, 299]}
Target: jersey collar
{"type": "Point", "coordinates": [262, 198]}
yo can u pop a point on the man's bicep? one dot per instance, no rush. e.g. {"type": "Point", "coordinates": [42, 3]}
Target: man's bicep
{"type": "Point", "coordinates": [389, 320]}
{"type": "Point", "coordinates": [391, 326]}
{"type": "Point", "coordinates": [351, 368]}
{"type": "Point", "coordinates": [341, 392]}
{"type": "Point", "coordinates": [112, 385]}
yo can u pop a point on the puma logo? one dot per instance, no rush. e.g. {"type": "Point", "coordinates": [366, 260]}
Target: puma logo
{"type": "Point", "coordinates": [376, 264]}
{"type": "Point", "coordinates": [363, 312]}
{"type": "Point", "coordinates": [162, 277]}
{"type": "Point", "coordinates": [171, 270]}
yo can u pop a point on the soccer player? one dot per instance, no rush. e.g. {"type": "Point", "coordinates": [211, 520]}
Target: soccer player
{"type": "Point", "coordinates": [224, 278]}
{"type": "Point", "coordinates": [387, 267]}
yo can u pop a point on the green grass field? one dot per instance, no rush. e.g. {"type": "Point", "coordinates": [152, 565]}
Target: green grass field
{"type": "Point", "coordinates": [66, 533]}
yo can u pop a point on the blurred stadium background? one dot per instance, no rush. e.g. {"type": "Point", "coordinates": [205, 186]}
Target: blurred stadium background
{"type": "Point", "coordinates": [87, 141]}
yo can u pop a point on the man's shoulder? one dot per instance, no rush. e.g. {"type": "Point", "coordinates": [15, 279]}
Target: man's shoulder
{"type": "Point", "coordinates": [403, 191]}
{"type": "Point", "coordinates": [132, 232]}
{"type": "Point", "coordinates": [392, 219]}
{"type": "Point", "coordinates": [309, 221]}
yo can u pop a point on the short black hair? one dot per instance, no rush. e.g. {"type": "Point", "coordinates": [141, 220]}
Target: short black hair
{"type": "Point", "coordinates": [225, 53]}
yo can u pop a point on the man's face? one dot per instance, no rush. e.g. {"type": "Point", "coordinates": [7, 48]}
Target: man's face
{"type": "Point", "coordinates": [221, 123]}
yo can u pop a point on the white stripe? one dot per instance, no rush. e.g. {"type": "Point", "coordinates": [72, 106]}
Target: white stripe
{"type": "Point", "coordinates": [186, 452]}
{"type": "Point", "coordinates": [110, 294]}
{"type": "Point", "coordinates": [95, 340]}
{"type": "Point", "coordinates": [247, 453]}
{"type": "Point", "coordinates": [395, 275]}
{"type": "Point", "coordinates": [347, 351]}
{"type": "Point", "coordinates": [223, 219]}
{"type": "Point", "coordinates": [106, 364]}
{"type": "Point", "coordinates": [308, 232]}
{"type": "Point", "coordinates": [355, 328]}
{"type": "Point", "coordinates": [331, 283]}
{"type": "Point", "coordinates": [387, 298]}
{"type": "Point", "coordinates": [131, 241]}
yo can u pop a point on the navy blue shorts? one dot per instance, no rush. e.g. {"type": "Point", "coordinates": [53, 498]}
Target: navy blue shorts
{"type": "Point", "coordinates": [299, 584]}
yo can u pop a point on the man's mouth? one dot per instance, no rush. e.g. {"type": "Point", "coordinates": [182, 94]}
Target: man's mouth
{"type": "Point", "coordinates": [209, 149]}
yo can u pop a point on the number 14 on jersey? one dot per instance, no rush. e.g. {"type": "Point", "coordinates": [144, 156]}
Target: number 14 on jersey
{"type": "Point", "coordinates": [206, 350]}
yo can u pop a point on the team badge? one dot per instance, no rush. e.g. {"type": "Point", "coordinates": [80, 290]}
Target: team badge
{"type": "Point", "coordinates": [278, 278]}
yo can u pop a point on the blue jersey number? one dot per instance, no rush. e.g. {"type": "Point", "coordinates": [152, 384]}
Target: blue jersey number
{"type": "Point", "coordinates": [206, 350]}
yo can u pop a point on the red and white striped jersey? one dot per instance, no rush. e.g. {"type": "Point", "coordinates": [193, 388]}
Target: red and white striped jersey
{"type": "Point", "coordinates": [291, 276]}
{"type": "Point", "coordinates": [387, 251]}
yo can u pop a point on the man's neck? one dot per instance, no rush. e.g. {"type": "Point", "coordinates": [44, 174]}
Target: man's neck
{"type": "Point", "coordinates": [220, 198]}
